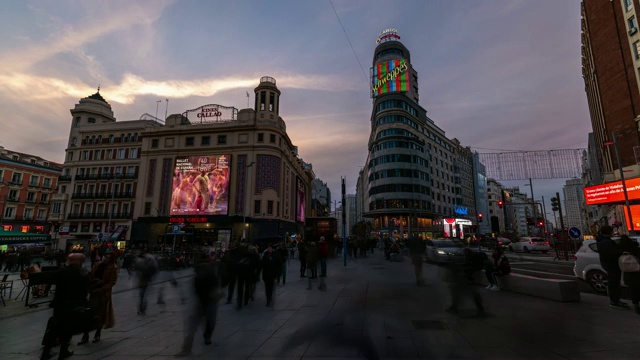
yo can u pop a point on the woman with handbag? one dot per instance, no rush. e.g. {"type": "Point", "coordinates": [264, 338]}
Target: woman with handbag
{"type": "Point", "coordinates": [103, 278]}
{"type": "Point", "coordinates": [631, 278]}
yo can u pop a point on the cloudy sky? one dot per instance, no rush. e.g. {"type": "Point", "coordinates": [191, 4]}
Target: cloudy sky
{"type": "Point", "coordinates": [496, 74]}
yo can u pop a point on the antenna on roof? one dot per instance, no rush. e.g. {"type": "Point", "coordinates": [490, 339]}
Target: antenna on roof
{"type": "Point", "coordinates": [98, 87]}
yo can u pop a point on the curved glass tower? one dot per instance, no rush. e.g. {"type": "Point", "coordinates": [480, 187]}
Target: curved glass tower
{"type": "Point", "coordinates": [398, 194]}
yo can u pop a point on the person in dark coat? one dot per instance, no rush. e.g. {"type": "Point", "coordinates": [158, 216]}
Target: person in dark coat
{"type": "Point", "coordinates": [417, 249]}
{"type": "Point", "coordinates": [302, 256]}
{"type": "Point", "coordinates": [323, 254]}
{"type": "Point", "coordinates": [229, 262]}
{"type": "Point", "coordinates": [312, 260]}
{"type": "Point", "coordinates": [632, 279]}
{"type": "Point", "coordinates": [72, 290]}
{"type": "Point", "coordinates": [609, 253]}
{"type": "Point", "coordinates": [245, 267]}
{"type": "Point", "coordinates": [460, 278]}
{"type": "Point", "coordinates": [207, 294]}
{"type": "Point", "coordinates": [103, 278]}
{"type": "Point", "coordinates": [270, 265]}
{"type": "Point", "coordinates": [283, 254]}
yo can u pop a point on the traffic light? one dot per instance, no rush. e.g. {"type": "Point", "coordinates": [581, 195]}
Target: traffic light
{"type": "Point", "coordinates": [540, 223]}
{"type": "Point", "coordinates": [479, 217]}
{"type": "Point", "coordinates": [500, 203]}
{"type": "Point", "coordinates": [555, 204]}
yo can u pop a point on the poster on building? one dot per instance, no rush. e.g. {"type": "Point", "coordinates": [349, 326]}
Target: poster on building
{"type": "Point", "coordinates": [201, 185]}
{"type": "Point", "coordinates": [300, 195]}
{"type": "Point", "coordinates": [389, 76]}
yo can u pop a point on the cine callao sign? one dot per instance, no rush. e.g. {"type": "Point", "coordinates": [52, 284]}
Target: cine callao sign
{"type": "Point", "coordinates": [389, 76]}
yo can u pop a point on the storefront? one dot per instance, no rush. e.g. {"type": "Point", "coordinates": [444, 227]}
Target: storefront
{"type": "Point", "coordinates": [15, 241]}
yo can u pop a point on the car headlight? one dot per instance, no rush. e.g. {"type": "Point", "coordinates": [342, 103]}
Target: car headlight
{"type": "Point", "coordinates": [441, 252]}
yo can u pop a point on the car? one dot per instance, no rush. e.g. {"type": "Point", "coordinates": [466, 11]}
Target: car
{"type": "Point", "coordinates": [492, 243]}
{"type": "Point", "coordinates": [444, 250]}
{"type": "Point", "coordinates": [587, 265]}
{"type": "Point", "coordinates": [529, 244]}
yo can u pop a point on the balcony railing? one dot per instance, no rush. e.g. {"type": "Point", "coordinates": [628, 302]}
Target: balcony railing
{"type": "Point", "coordinates": [31, 201]}
{"type": "Point", "coordinates": [15, 182]}
{"type": "Point", "coordinates": [13, 199]}
{"type": "Point", "coordinates": [44, 202]}
{"type": "Point", "coordinates": [46, 186]}
{"type": "Point", "coordinates": [59, 197]}
{"type": "Point", "coordinates": [87, 177]}
{"type": "Point", "coordinates": [64, 178]}
{"type": "Point", "coordinates": [103, 215]}
{"type": "Point", "coordinates": [33, 185]}
{"type": "Point", "coordinates": [102, 195]}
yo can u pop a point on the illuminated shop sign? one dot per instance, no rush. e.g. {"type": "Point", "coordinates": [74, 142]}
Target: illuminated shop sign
{"type": "Point", "coordinates": [612, 192]}
{"type": "Point", "coordinates": [461, 210]}
{"type": "Point", "coordinates": [300, 198]}
{"type": "Point", "coordinates": [389, 76]}
{"type": "Point", "coordinates": [183, 220]}
{"type": "Point", "coordinates": [212, 113]}
{"type": "Point", "coordinates": [201, 185]}
{"type": "Point", "coordinates": [388, 35]}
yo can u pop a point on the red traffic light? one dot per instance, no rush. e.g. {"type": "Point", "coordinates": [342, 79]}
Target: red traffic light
{"type": "Point", "coordinates": [500, 203]}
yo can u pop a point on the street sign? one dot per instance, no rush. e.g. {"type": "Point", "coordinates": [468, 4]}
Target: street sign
{"type": "Point", "coordinates": [574, 232]}
{"type": "Point", "coordinates": [176, 229]}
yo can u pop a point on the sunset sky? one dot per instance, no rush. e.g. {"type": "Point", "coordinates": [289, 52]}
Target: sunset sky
{"type": "Point", "coordinates": [496, 74]}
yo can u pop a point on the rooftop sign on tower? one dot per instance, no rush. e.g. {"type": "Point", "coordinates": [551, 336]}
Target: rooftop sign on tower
{"type": "Point", "coordinates": [388, 35]}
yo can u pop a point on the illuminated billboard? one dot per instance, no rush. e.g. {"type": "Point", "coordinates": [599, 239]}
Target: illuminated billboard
{"type": "Point", "coordinates": [612, 192]}
{"type": "Point", "coordinates": [300, 208]}
{"type": "Point", "coordinates": [201, 185]}
{"type": "Point", "coordinates": [635, 214]}
{"type": "Point", "coordinates": [389, 76]}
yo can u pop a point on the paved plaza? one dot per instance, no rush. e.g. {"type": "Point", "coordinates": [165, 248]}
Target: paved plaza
{"type": "Point", "coordinates": [371, 310]}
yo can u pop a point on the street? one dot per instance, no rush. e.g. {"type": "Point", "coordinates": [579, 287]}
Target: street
{"type": "Point", "coordinates": [371, 310]}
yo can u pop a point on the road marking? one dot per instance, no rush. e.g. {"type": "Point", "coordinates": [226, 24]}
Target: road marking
{"type": "Point", "coordinates": [544, 272]}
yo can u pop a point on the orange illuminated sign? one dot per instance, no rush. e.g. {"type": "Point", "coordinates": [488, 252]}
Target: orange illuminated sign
{"type": "Point", "coordinates": [612, 192]}
{"type": "Point", "coordinates": [635, 213]}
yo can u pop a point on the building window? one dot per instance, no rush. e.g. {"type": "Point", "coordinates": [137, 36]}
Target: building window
{"type": "Point", "coordinates": [147, 208]}
{"type": "Point", "coordinates": [42, 214]}
{"type": "Point", "coordinates": [31, 197]}
{"type": "Point", "coordinates": [13, 195]}
{"type": "Point", "coordinates": [260, 137]}
{"type": "Point", "coordinates": [263, 97]}
{"type": "Point", "coordinates": [10, 212]}
{"type": "Point", "coordinates": [91, 120]}
{"type": "Point", "coordinates": [85, 155]}
{"type": "Point", "coordinates": [271, 100]}
{"type": "Point", "coordinates": [206, 140]}
{"type": "Point", "coordinates": [123, 137]}
{"type": "Point", "coordinates": [121, 153]}
{"type": "Point", "coordinates": [189, 141]}
{"type": "Point", "coordinates": [272, 138]}
{"type": "Point", "coordinates": [44, 198]}
{"type": "Point", "coordinates": [16, 178]}
{"type": "Point", "coordinates": [629, 4]}
{"type": "Point", "coordinates": [34, 180]}
{"type": "Point", "coordinates": [636, 50]}
{"type": "Point", "coordinates": [222, 139]}
{"type": "Point", "coordinates": [55, 208]}
{"type": "Point", "coordinates": [135, 137]}
{"type": "Point", "coordinates": [77, 123]}
{"type": "Point", "coordinates": [133, 153]}
{"type": "Point", "coordinates": [632, 23]}
{"type": "Point", "coordinates": [154, 143]}
{"type": "Point", "coordinates": [270, 207]}
{"type": "Point", "coordinates": [96, 155]}
{"type": "Point", "coordinates": [112, 139]}
{"type": "Point", "coordinates": [256, 207]}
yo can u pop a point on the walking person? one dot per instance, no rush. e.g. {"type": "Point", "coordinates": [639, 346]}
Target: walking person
{"type": "Point", "coordinates": [245, 267]}
{"type": "Point", "coordinates": [609, 253]}
{"type": "Point", "coordinates": [229, 261]}
{"type": "Point", "coordinates": [283, 255]}
{"type": "Point", "coordinates": [323, 254]}
{"type": "Point", "coordinates": [72, 289]}
{"type": "Point", "coordinates": [498, 265]}
{"type": "Point", "coordinates": [302, 256]}
{"type": "Point", "coordinates": [632, 279]}
{"type": "Point", "coordinates": [270, 265]}
{"type": "Point", "coordinates": [460, 278]}
{"type": "Point", "coordinates": [147, 268]}
{"type": "Point", "coordinates": [417, 250]}
{"type": "Point", "coordinates": [205, 304]}
{"type": "Point", "coordinates": [102, 279]}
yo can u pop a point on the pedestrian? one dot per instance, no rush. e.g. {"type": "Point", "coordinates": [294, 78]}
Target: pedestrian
{"type": "Point", "coordinates": [283, 255]}
{"type": "Point", "coordinates": [417, 249]}
{"type": "Point", "coordinates": [72, 289]}
{"type": "Point", "coordinates": [205, 304]}
{"type": "Point", "coordinates": [632, 279]}
{"type": "Point", "coordinates": [323, 254]}
{"type": "Point", "coordinates": [229, 262]}
{"type": "Point", "coordinates": [302, 256]}
{"type": "Point", "coordinates": [245, 267]}
{"type": "Point", "coordinates": [498, 265]}
{"type": "Point", "coordinates": [460, 278]}
{"type": "Point", "coordinates": [271, 266]}
{"type": "Point", "coordinates": [102, 279]}
{"type": "Point", "coordinates": [609, 253]}
{"type": "Point", "coordinates": [146, 268]}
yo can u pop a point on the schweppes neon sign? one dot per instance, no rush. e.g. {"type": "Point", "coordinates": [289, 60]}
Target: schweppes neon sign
{"type": "Point", "coordinates": [389, 76]}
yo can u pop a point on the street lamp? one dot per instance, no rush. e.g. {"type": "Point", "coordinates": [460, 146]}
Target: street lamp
{"type": "Point", "coordinates": [624, 185]}
{"type": "Point", "coordinates": [244, 212]}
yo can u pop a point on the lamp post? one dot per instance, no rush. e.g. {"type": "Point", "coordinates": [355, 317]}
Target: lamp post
{"type": "Point", "coordinates": [624, 185]}
{"type": "Point", "coordinates": [244, 212]}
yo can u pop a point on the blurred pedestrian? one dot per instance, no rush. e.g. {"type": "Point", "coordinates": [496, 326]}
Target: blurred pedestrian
{"type": "Point", "coordinates": [245, 266]}
{"type": "Point", "coordinates": [302, 256]}
{"type": "Point", "coordinates": [230, 263]}
{"type": "Point", "coordinates": [632, 279]}
{"type": "Point", "coordinates": [72, 289]}
{"type": "Point", "coordinates": [497, 266]}
{"type": "Point", "coordinates": [283, 255]}
{"type": "Point", "coordinates": [146, 268]}
{"type": "Point", "coordinates": [205, 305]}
{"type": "Point", "coordinates": [460, 278]}
{"type": "Point", "coordinates": [609, 253]}
{"type": "Point", "coordinates": [271, 266]}
{"type": "Point", "coordinates": [102, 279]}
{"type": "Point", "coordinates": [417, 250]}
{"type": "Point", "coordinates": [323, 254]}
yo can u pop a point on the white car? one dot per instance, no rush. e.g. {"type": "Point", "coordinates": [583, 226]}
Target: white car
{"type": "Point", "coordinates": [528, 244]}
{"type": "Point", "coordinates": [445, 250]}
{"type": "Point", "coordinates": [587, 265]}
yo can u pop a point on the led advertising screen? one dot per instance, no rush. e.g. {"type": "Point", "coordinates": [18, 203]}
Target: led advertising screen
{"type": "Point", "coordinates": [635, 214]}
{"type": "Point", "coordinates": [300, 200]}
{"type": "Point", "coordinates": [612, 192]}
{"type": "Point", "coordinates": [389, 76]}
{"type": "Point", "coordinates": [201, 185]}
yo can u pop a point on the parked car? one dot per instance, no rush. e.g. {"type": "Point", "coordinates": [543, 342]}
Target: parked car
{"type": "Point", "coordinates": [444, 250]}
{"type": "Point", "coordinates": [587, 265]}
{"type": "Point", "coordinates": [528, 244]}
{"type": "Point", "coordinates": [492, 243]}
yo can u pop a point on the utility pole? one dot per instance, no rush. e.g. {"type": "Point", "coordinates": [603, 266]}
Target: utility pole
{"type": "Point", "coordinates": [344, 223]}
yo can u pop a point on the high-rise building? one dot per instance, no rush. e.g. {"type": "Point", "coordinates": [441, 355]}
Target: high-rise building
{"type": "Point", "coordinates": [574, 205]}
{"type": "Point", "coordinates": [415, 175]}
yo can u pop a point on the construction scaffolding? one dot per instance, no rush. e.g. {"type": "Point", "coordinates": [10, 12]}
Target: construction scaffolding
{"type": "Point", "coordinates": [542, 164]}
